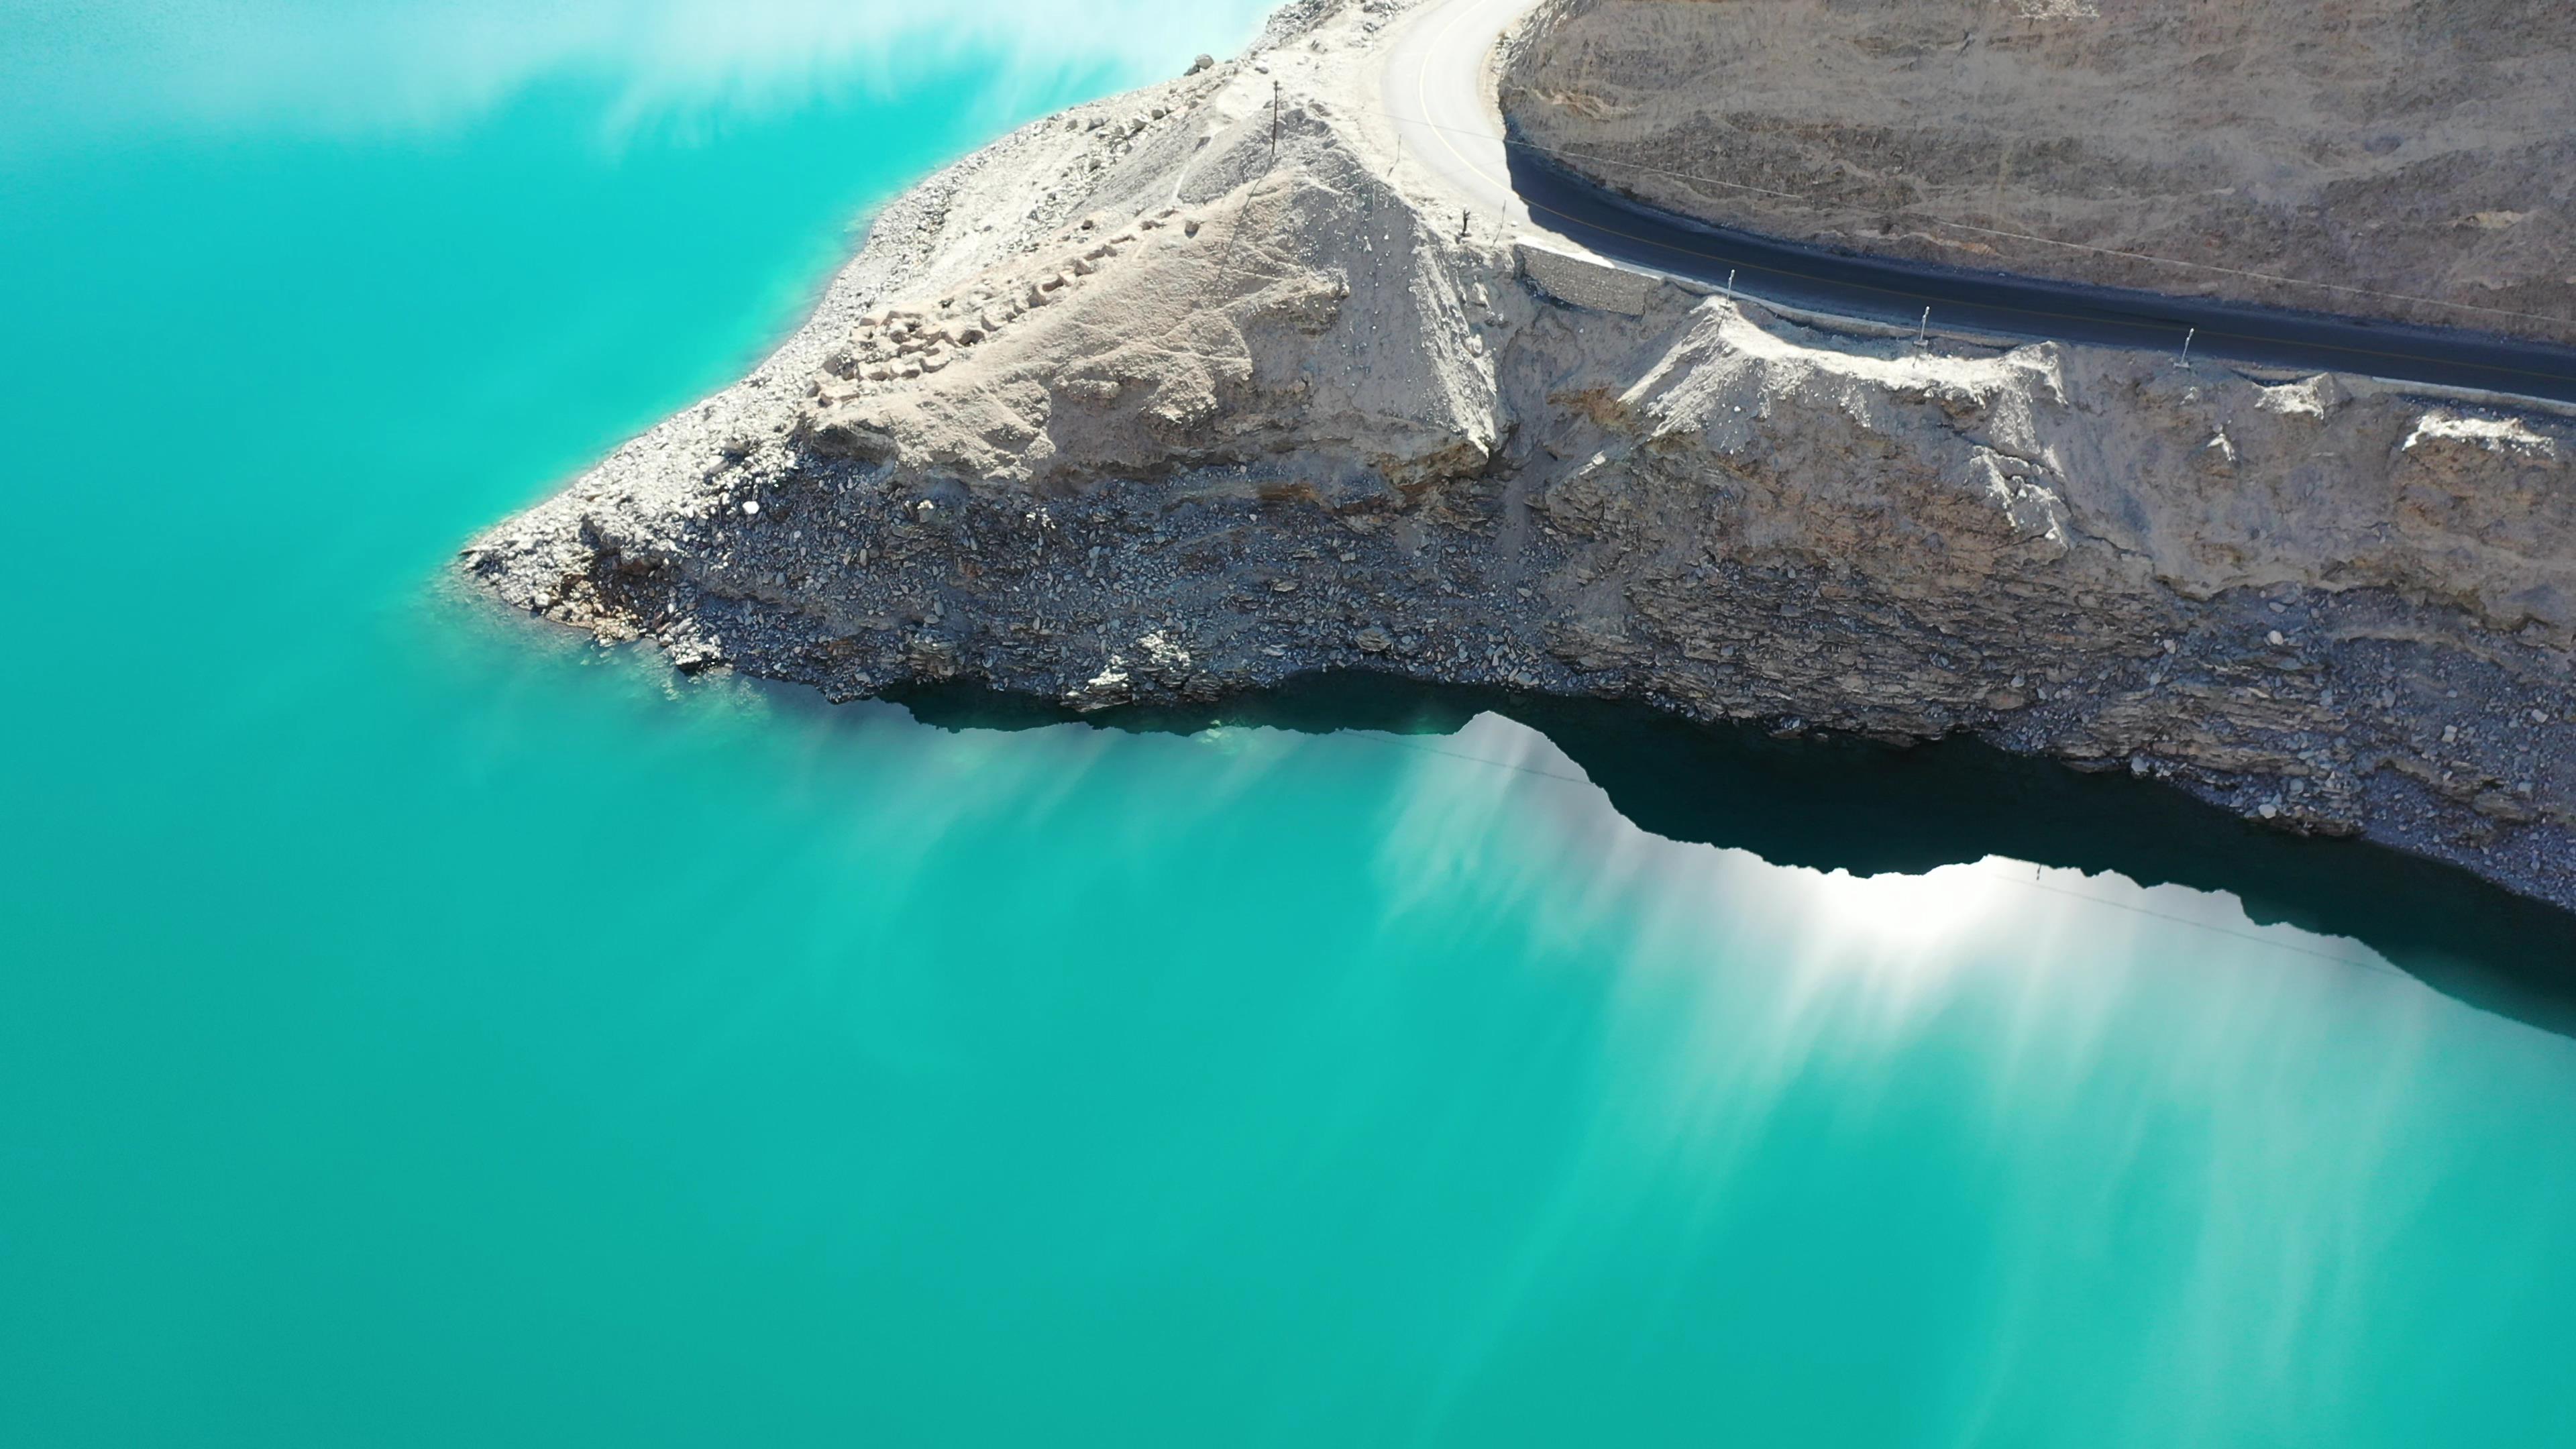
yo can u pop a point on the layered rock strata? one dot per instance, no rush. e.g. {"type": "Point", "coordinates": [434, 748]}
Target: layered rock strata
{"type": "Point", "coordinates": [1133, 406]}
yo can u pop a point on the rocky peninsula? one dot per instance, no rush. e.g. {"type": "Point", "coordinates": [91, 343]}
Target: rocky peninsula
{"type": "Point", "coordinates": [1207, 387]}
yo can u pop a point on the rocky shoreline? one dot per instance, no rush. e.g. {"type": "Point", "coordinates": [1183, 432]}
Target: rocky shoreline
{"type": "Point", "coordinates": [1136, 405]}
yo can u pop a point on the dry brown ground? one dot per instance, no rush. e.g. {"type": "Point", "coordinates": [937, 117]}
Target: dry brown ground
{"type": "Point", "coordinates": [2344, 155]}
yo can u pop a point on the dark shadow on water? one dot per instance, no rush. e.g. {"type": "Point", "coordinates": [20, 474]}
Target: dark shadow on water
{"type": "Point", "coordinates": [1868, 808]}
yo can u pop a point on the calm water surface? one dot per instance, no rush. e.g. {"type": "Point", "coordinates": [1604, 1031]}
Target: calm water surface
{"type": "Point", "coordinates": [419, 1029]}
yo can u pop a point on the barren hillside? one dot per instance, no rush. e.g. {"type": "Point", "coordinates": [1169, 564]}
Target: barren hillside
{"type": "Point", "coordinates": [1140, 406]}
{"type": "Point", "coordinates": [2343, 155]}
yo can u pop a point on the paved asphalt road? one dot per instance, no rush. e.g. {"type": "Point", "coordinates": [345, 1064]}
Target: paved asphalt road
{"type": "Point", "coordinates": [1437, 89]}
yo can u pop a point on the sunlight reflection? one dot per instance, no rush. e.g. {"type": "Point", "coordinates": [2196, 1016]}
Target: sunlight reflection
{"type": "Point", "coordinates": [1476, 784]}
{"type": "Point", "coordinates": [1850, 963]}
{"type": "Point", "coordinates": [2111, 1043]}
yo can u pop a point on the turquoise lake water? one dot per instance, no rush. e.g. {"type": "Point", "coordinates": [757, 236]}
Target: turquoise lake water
{"type": "Point", "coordinates": [419, 1028]}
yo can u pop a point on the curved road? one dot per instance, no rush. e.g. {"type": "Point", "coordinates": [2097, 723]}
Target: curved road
{"type": "Point", "coordinates": [1435, 89]}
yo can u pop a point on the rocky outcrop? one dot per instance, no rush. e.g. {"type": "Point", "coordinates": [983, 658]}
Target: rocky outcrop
{"type": "Point", "coordinates": [1265, 311]}
{"type": "Point", "coordinates": [1135, 407]}
{"type": "Point", "coordinates": [2369, 151]}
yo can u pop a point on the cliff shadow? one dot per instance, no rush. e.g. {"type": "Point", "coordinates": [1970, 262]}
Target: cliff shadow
{"type": "Point", "coordinates": [1840, 803]}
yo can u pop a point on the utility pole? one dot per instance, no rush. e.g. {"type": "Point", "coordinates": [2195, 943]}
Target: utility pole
{"type": "Point", "coordinates": [1274, 120]}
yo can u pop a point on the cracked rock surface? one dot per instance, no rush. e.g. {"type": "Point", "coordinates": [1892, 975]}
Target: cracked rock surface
{"type": "Point", "coordinates": [1129, 407]}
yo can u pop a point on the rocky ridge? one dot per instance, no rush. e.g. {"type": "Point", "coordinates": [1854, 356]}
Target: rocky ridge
{"type": "Point", "coordinates": [1140, 404]}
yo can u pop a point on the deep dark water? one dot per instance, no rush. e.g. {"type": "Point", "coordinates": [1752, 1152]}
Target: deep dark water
{"type": "Point", "coordinates": [1844, 803]}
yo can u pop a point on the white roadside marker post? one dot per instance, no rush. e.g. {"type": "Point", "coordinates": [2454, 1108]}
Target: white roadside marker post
{"type": "Point", "coordinates": [1923, 330]}
{"type": "Point", "coordinates": [2188, 333]}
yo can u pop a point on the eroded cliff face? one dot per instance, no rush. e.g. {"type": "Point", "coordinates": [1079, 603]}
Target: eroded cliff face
{"type": "Point", "coordinates": [2375, 150]}
{"type": "Point", "coordinates": [1132, 407]}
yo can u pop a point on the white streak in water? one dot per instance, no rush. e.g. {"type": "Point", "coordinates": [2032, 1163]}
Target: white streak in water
{"type": "Point", "coordinates": [154, 67]}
